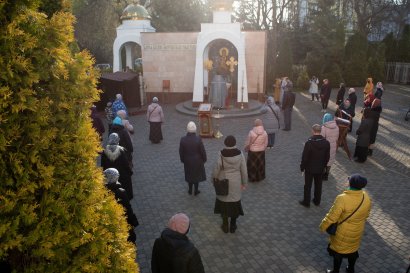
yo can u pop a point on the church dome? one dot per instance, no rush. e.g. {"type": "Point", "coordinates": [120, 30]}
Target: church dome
{"type": "Point", "coordinates": [135, 12]}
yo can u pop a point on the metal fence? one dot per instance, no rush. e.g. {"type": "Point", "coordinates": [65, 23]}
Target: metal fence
{"type": "Point", "coordinates": [398, 72]}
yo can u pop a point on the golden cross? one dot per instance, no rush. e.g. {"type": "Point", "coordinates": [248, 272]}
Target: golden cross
{"type": "Point", "coordinates": [208, 64]}
{"type": "Point", "coordinates": [231, 63]}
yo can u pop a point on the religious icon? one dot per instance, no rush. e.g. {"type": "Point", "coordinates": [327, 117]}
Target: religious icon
{"type": "Point", "coordinates": [223, 58]}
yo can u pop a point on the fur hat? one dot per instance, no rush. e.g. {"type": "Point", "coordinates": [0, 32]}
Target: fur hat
{"type": "Point", "coordinates": [191, 127]}
{"type": "Point", "coordinates": [230, 141]}
{"type": "Point", "coordinates": [357, 181]}
{"type": "Point", "coordinates": [179, 223]}
{"type": "Point", "coordinates": [111, 175]}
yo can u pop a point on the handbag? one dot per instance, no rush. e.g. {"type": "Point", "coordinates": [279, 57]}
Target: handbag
{"type": "Point", "coordinates": [333, 227]}
{"type": "Point", "coordinates": [221, 184]}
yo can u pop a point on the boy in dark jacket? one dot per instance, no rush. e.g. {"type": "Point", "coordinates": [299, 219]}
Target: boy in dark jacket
{"type": "Point", "coordinates": [173, 252]}
{"type": "Point", "coordinates": [315, 157]}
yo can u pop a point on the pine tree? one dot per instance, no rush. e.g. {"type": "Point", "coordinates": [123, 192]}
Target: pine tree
{"type": "Point", "coordinates": [355, 65]}
{"type": "Point", "coordinates": [284, 60]}
{"type": "Point", "coordinates": [377, 62]}
{"type": "Point", "coordinates": [55, 214]}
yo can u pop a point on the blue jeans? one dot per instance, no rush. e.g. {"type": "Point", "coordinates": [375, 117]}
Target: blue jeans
{"type": "Point", "coordinates": [271, 139]}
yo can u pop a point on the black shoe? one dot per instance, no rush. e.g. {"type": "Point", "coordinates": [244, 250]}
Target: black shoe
{"type": "Point", "coordinates": [304, 204]}
{"type": "Point", "coordinates": [285, 129]}
{"type": "Point", "coordinates": [316, 203]}
{"type": "Point", "coordinates": [331, 271]}
{"type": "Point", "coordinates": [197, 192]}
{"type": "Point", "coordinates": [225, 228]}
{"type": "Point", "coordinates": [233, 228]}
{"type": "Point", "coordinates": [190, 192]}
{"type": "Point", "coordinates": [370, 152]}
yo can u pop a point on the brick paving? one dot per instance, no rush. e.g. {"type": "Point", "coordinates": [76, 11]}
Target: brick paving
{"type": "Point", "coordinates": [277, 234]}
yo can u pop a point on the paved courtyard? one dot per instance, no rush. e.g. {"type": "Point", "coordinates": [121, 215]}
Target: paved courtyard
{"type": "Point", "coordinates": [277, 234]}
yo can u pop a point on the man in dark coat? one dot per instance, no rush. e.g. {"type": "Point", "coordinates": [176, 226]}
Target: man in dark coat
{"type": "Point", "coordinates": [111, 182]}
{"type": "Point", "coordinates": [315, 157]}
{"type": "Point", "coordinates": [192, 154]}
{"type": "Point", "coordinates": [173, 252]}
{"type": "Point", "coordinates": [125, 139]}
{"type": "Point", "coordinates": [325, 94]}
{"type": "Point", "coordinates": [287, 105]}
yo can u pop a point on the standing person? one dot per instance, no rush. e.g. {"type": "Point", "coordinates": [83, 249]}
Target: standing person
{"type": "Point", "coordinates": [379, 90]}
{"type": "Point", "coordinates": [173, 252]}
{"type": "Point", "coordinates": [325, 91]}
{"type": "Point", "coordinates": [353, 100]}
{"type": "Point", "coordinates": [111, 182]}
{"type": "Point", "coordinates": [368, 101]}
{"type": "Point", "coordinates": [277, 91]}
{"type": "Point", "coordinates": [330, 131]}
{"type": "Point", "coordinates": [346, 111]}
{"type": "Point", "coordinates": [125, 139]}
{"type": "Point", "coordinates": [314, 89]}
{"type": "Point", "coordinates": [155, 117]}
{"type": "Point", "coordinates": [353, 207]}
{"type": "Point", "coordinates": [340, 94]}
{"type": "Point", "coordinates": [315, 157]}
{"type": "Point", "coordinates": [118, 105]}
{"type": "Point", "coordinates": [115, 156]}
{"type": "Point", "coordinates": [125, 122]}
{"type": "Point", "coordinates": [97, 122]}
{"type": "Point", "coordinates": [232, 163]}
{"type": "Point", "coordinates": [368, 88]}
{"type": "Point", "coordinates": [109, 115]}
{"type": "Point", "coordinates": [193, 156]}
{"type": "Point", "coordinates": [363, 138]}
{"type": "Point", "coordinates": [374, 115]}
{"type": "Point", "coordinates": [271, 119]}
{"type": "Point", "coordinates": [287, 105]}
{"type": "Point", "coordinates": [255, 145]}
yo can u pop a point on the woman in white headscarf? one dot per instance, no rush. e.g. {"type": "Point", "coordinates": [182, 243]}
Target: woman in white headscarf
{"type": "Point", "coordinates": [155, 117]}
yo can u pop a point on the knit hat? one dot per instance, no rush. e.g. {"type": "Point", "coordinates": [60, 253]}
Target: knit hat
{"type": "Point", "coordinates": [191, 127]}
{"type": "Point", "coordinates": [357, 181]}
{"type": "Point", "coordinates": [179, 223]}
{"type": "Point", "coordinates": [118, 97]}
{"type": "Point", "coordinates": [154, 99]}
{"type": "Point", "coordinates": [230, 141]}
{"type": "Point", "coordinates": [113, 139]}
{"type": "Point", "coordinates": [111, 175]}
{"type": "Point", "coordinates": [117, 121]}
{"type": "Point", "coordinates": [327, 117]}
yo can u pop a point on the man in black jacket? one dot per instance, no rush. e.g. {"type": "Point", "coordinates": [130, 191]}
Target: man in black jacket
{"type": "Point", "coordinates": [287, 105]}
{"type": "Point", "coordinates": [314, 161]}
{"type": "Point", "coordinates": [173, 252]}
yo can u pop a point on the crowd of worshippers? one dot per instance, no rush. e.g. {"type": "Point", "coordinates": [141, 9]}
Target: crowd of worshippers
{"type": "Point", "coordinates": [242, 164]}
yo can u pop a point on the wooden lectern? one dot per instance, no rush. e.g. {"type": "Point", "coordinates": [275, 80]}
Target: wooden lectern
{"type": "Point", "coordinates": [205, 120]}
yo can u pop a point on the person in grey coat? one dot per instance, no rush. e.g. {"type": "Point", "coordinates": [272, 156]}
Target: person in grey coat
{"type": "Point", "coordinates": [271, 120]}
{"type": "Point", "coordinates": [232, 163]}
{"type": "Point", "coordinates": [363, 137]}
{"type": "Point", "coordinates": [192, 154]}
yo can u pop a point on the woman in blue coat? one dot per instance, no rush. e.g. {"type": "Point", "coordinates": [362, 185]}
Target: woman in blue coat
{"type": "Point", "coordinates": [192, 154]}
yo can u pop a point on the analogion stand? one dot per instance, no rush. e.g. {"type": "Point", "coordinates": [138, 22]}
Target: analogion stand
{"type": "Point", "coordinates": [205, 120]}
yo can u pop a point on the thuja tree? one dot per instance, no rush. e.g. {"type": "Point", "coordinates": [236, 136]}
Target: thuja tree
{"type": "Point", "coordinates": [55, 215]}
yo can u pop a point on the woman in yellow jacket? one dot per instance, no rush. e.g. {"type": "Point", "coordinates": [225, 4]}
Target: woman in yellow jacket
{"type": "Point", "coordinates": [345, 243]}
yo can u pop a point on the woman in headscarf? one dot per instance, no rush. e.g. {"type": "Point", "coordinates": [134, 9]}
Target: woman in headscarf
{"type": "Point", "coordinates": [125, 139]}
{"type": "Point", "coordinates": [346, 111]}
{"type": "Point", "coordinates": [374, 114]}
{"type": "Point", "coordinates": [379, 90]}
{"type": "Point", "coordinates": [330, 131]}
{"type": "Point", "coordinates": [155, 117]}
{"type": "Point", "coordinates": [255, 145]}
{"type": "Point", "coordinates": [271, 119]}
{"type": "Point", "coordinates": [368, 88]}
{"type": "Point", "coordinates": [114, 156]}
{"type": "Point", "coordinates": [111, 182]}
{"type": "Point", "coordinates": [193, 156]}
{"type": "Point", "coordinates": [232, 163]}
{"type": "Point", "coordinates": [340, 94]}
{"type": "Point", "coordinates": [125, 122]}
{"type": "Point", "coordinates": [363, 137]}
{"type": "Point", "coordinates": [118, 105]}
{"type": "Point", "coordinates": [369, 100]}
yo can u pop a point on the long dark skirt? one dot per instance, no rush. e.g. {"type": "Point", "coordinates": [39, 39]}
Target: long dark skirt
{"type": "Point", "coordinates": [228, 209]}
{"type": "Point", "coordinates": [256, 166]}
{"type": "Point", "coordinates": [361, 153]}
{"type": "Point", "coordinates": [373, 131]}
{"type": "Point", "coordinates": [155, 132]}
